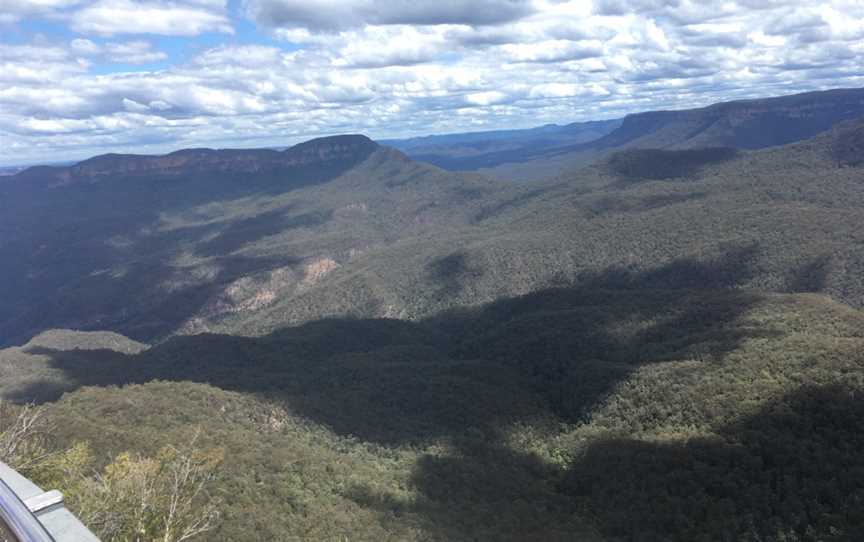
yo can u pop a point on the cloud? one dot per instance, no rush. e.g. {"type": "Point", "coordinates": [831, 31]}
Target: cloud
{"type": "Point", "coordinates": [12, 11]}
{"type": "Point", "coordinates": [552, 51]}
{"type": "Point", "coordinates": [393, 69]}
{"type": "Point", "coordinates": [343, 14]}
{"type": "Point", "coordinates": [190, 18]}
{"type": "Point", "coordinates": [133, 52]}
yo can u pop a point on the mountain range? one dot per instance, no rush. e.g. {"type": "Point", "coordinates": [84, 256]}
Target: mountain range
{"type": "Point", "coordinates": [656, 337]}
{"type": "Point", "coordinates": [743, 124]}
{"type": "Point", "coordinates": [247, 240]}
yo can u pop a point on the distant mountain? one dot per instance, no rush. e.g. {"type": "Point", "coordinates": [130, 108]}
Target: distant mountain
{"type": "Point", "coordinates": [376, 234]}
{"type": "Point", "coordinates": [782, 219]}
{"type": "Point", "coordinates": [317, 154]}
{"type": "Point", "coordinates": [143, 244]}
{"type": "Point", "coordinates": [743, 124]}
{"type": "Point", "coordinates": [10, 170]}
{"type": "Point", "coordinates": [476, 150]}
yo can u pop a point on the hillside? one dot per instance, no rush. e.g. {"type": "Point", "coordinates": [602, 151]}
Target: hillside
{"type": "Point", "coordinates": [477, 150]}
{"type": "Point", "coordinates": [384, 236]}
{"type": "Point", "coordinates": [533, 418]}
{"type": "Point", "coordinates": [141, 245]}
{"type": "Point", "coordinates": [744, 124]}
{"type": "Point", "coordinates": [666, 345]}
{"type": "Point", "coordinates": [782, 219]}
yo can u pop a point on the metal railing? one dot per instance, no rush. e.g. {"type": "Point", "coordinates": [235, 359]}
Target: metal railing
{"type": "Point", "coordinates": [23, 525]}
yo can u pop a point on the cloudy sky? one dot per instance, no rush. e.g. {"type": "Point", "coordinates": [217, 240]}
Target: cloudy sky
{"type": "Point", "coordinates": [82, 77]}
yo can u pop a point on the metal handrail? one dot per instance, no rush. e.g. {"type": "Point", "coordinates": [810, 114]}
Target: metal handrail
{"type": "Point", "coordinates": [18, 518]}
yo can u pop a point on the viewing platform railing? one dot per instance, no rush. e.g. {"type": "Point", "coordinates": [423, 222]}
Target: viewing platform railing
{"type": "Point", "coordinates": [28, 514]}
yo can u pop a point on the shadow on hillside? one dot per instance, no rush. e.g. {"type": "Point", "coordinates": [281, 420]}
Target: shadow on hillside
{"type": "Point", "coordinates": [251, 230]}
{"type": "Point", "coordinates": [163, 291]}
{"type": "Point", "coordinates": [792, 471]}
{"type": "Point", "coordinates": [395, 381]}
{"type": "Point", "coordinates": [812, 276]}
{"type": "Point", "coordinates": [485, 490]}
{"type": "Point", "coordinates": [452, 272]}
{"type": "Point", "coordinates": [638, 165]}
{"type": "Point", "coordinates": [468, 376]}
{"type": "Point", "coordinates": [104, 236]}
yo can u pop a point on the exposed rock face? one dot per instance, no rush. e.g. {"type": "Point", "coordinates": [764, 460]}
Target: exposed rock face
{"type": "Point", "coordinates": [323, 152]}
{"type": "Point", "coordinates": [328, 149]}
{"type": "Point", "coordinates": [318, 269]}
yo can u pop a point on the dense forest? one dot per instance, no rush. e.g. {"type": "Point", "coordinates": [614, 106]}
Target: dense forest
{"type": "Point", "coordinates": [340, 343]}
{"type": "Point", "coordinates": [601, 413]}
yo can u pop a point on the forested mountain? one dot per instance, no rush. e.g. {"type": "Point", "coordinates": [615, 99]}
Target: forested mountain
{"type": "Point", "coordinates": [667, 344]}
{"type": "Point", "coordinates": [743, 124]}
{"type": "Point", "coordinates": [477, 150]}
{"type": "Point", "coordinates": [142, 245]}
{"type": "Point", "coordinates": [785, 218]}
{"type": "Point", "coordinates": [372, 233]}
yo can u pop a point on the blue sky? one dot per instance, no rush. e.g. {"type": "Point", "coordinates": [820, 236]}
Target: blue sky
{"type": "Point", "coordinates": [83, 77]}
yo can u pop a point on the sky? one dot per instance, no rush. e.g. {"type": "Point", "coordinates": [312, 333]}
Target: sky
{"type": "Point", "coordinates": [85, 77]}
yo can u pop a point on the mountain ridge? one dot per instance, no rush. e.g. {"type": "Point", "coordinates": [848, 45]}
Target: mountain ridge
{"type": "Point", "coordinates": [741, 124]}
{"type": "Point", "coordinates": [349, 147]}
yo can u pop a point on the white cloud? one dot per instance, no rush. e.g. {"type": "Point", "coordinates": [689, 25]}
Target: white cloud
{"type": "Point", "coordinates": [84, 47]}
{"type": "Point", "coordinates": [341, 14]}
{"type": "Point", "coordinates": [12, 11]}
{"type": "Point", "coordinates": [111, 17]}
{"type": "Point", "coordinates": [544, 61]}
{"type": "Point", "coordinates": [552, 50]}
{"type": "Point", "coordinates": [132, 52]}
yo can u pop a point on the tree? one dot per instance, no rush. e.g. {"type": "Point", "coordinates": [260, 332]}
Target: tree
{"type": "Point", "coordinates": [134, 498]}
{"type": "Point", "coordinates": [22, 432]}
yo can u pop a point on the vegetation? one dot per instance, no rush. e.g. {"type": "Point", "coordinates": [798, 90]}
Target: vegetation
{"type": "Point", "coordinates": [475, 150]}
{"type": "Point", "coordinates": [658, 164]}
{"type": "Point", "coordinates": [392, 352]}
{"type": "Point", "coordinates": [613, 411]}
{"type": "Point", "coordinates": [22, 434]}
{"type": "Point", "coordinates": [150, 259]}
{"type": "Point", "coordinates": [848, 144]}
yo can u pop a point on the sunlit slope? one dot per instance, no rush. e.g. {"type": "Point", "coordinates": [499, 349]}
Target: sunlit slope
{"type": "Point", "coordinates": [782, 220]}
{"type": "Point", "coordinates": [390, 237]}
{"type": "Point", "coordinates": [146, 251]}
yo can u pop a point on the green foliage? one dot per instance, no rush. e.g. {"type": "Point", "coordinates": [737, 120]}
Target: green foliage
{"type": "Point", "coordinates": [22, 435]}
{"type": "Point", "coordinates": [585, 358]}
{"type": "Point", "coordinates": [848, 144]}
{"type": "Point", "coordinates": [155, 259]}
{"type": "Point", "coordinates": [659, 164]}
{"type": "Point", "coordinates": [604, 412]}
{"type": "Point", "coordinates": [164, 497]}
{"type": "Point", "coordinates": [793, 471]}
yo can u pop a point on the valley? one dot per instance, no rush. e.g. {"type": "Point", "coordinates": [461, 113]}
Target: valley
{"type": "Point", "coordinates": [664, 342]}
